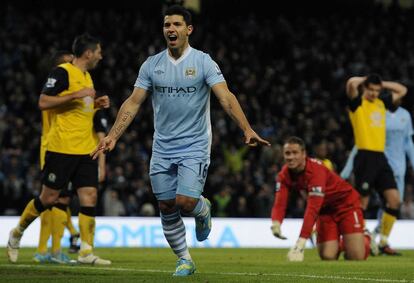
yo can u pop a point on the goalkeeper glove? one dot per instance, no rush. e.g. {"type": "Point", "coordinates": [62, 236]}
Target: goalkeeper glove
{"type": "Point", "coordinates": [276, 230]}
{"type": "Point", "coordinates": [296, 253]}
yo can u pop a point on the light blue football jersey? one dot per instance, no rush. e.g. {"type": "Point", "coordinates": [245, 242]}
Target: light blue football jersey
{"type": "Point", "coordinates": [398, 140]}
{"type": "Point", "coordinates": [180, 92]}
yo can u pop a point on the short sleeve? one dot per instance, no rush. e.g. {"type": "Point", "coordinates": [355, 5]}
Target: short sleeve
{"type": "Point", "coordinates": [57, 81]}
{"type": "Point", "coordinates": [144, 80]}
{"type": "Point", "coordinates": [212, 71]}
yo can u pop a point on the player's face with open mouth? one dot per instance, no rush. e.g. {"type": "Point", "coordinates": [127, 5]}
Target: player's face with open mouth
{"type": "Point", "coordinates": [176, 31]}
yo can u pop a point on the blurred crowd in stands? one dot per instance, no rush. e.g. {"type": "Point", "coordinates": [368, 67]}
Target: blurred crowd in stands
{"type": "Point", "coordinates": [287, 69]}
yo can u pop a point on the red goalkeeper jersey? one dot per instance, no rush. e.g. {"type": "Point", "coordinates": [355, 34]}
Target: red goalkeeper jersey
{"type": "Point", "coordinates": [327, 193]}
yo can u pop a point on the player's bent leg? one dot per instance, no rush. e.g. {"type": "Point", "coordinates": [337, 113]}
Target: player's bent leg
{"type": "Point", "coordinates": [203, 221]}
{"type": "Point", "coordinates": [201, 210]}
{"type": "Point", "coordinates": [355, 246]}
{"type": "Point", "coordinates": [328, 250]}
{"type": "Point", "coordinates": [32, 210]}
{"type": "Point", "coordinates": [327, 237]}
{"type": "Point", "coordinates": [192, 173]}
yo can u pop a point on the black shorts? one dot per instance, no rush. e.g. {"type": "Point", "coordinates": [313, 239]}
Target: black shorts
{"type": "Point", "coordinates": [372, 172]}
{"type": "Point", "coordinates": [60, 169]}
{"type": "Point", "coordinates": [67, 191]}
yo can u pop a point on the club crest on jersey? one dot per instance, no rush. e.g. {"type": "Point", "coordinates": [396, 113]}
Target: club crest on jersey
{"type": "Point", "coordinates": [316, 191]}
{"type": "Point", "coordinates": [88, 104]}
{"type": "Point", "coordinates": [190, 73]}
{"type": "Point", "coordinates": [51, 177]}
{"type": "Point", "coordinates": [50, 82]}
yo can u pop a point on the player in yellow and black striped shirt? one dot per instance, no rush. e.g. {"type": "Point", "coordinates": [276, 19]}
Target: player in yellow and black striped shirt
{"type": "Point", "coordinates": [372, 171]}
{"type": "Point", "coordinates": [70, 92]}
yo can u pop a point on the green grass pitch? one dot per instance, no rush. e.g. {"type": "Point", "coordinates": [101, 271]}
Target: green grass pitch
{"type": "Point", "coordinates": [213, 265]}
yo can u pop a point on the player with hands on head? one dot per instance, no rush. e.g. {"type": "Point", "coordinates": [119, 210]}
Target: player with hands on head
{"type": "Point", "coordinates": [367, 107]}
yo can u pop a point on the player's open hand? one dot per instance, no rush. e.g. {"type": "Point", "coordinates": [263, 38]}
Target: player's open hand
{"type": "Point", "coordinates": [102, 102]}
{"type": "Point", "coordinates": [276, 230]}
{"type": "Point", "coordinates": [297, 253]}
{"type": "Point", "coordinates": [253, 139]}
{"type": "Point", "coordinates": [105, 145]}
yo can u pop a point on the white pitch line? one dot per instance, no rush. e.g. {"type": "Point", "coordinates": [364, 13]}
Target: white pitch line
{"type": "Point", "coordinates": [214, 273]}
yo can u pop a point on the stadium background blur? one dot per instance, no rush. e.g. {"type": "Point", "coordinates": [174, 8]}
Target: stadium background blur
{"type": "Point", "coordinates": [287, 64]}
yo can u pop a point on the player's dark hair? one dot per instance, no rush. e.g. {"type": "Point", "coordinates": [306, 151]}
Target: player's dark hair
{"type": "Point", "coordinates": [296, 140]}
{"type": "Point", "coordinates": [179, 10]}
{"type": "Point", "coordinates": [57, 57]}
{"type": "Point", "coordinates": [83, 43]}
{"type": "Point", "coordinates": [373, 79]}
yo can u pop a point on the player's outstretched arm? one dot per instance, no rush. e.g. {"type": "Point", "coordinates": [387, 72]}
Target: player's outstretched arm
{"type": "Point", "coordinates": [49, 102]}
{"type": "Point", "coordinates": [126, 114]}
{"type": "Point", "coordinates": [232, 107]}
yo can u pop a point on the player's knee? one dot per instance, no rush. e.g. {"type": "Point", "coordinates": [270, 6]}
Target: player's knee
{"type": "Point", "coordinates": [328, 254]}
{"type": "Point", "coordinates": [48, 197]}
{"type": "Point", "coordinates": [358, 251]}
{"type": "Point", "coordinates": [92, 198]}
{"type": "Point", "coordinates": [167, 206]}
{"type": "Point", "coordinates": [394, 204]}
{"type": "Point", "coordinates": [88, 196]}
{"type": "Point", "coordinates": [64, 200]}
{"type": "Point", "coordinates": [356, 255]}
{"type": "Point", "coordinates": [186, 204]}
{"type": "Point", "coordinates": [392, 198]}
